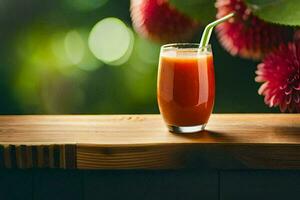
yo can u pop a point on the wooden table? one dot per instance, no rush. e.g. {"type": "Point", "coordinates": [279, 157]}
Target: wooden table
{"type": "Point", "coordinates": [231, 141]}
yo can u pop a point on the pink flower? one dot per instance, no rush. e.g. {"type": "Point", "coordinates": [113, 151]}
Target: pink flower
{"type": "Point", "coordinates": [280, 72]}
{"type": "Point", "coordinates": [246, 35]}
{"type": "Point", "coordinates": [159, 21]}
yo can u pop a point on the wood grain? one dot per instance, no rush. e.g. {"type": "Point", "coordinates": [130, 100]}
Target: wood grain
{"type": "Point", "coordinates": [38, 156]}
{"type": "Point", "coordinates": [231, 141]}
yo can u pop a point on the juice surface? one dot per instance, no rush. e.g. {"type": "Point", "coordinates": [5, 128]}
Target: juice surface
{"type": "Point", "coordinates": [186, 87]}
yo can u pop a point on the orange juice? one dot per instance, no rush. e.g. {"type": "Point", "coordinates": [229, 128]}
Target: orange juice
{"type": "Point", "coordinates": [186, 87]}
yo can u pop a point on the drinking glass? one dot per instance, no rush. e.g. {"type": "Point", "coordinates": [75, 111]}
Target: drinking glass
{"type": "Point", "coordinates": [186, 86]}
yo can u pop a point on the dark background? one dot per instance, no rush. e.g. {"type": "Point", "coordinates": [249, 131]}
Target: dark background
{"type": "Point", "coordinates": [36, 76]}
{"type": "Point", "coordinates": [149, 185]}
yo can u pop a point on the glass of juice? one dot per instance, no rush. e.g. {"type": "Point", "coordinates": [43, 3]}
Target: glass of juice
{"type": "Point", "coordinates": [186, 86]}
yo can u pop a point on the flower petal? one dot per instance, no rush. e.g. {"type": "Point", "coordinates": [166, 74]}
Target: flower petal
{"type": "Point", "coordinates": [296, 98]}
{"type": "Point", "coordinates": [297, 87]}
{"type": "Point", "coordinates": [262, 88]}
{"type": "Point", "coordinates": [288, 99]}
{"type": "Point", "coordinates": [280, 75]}
{"type": "Point", "coordinates": [283, 107]}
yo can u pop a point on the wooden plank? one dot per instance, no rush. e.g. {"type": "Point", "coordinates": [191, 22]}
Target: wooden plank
{"type": "Point", "coordinates": [140, 184]}
{"type": "Point", "coordinates": [57, 184]}
{"type": "Point", "coordinates": [259, 185]}
{"type": "Point", "coordinates": [38, 156]}
{"type": "Point", "coordinates": [2, 165]}
{"type": "Point", "coordinates": [115, 130]}
{"type": "Point", "coordinates": [15, 184]}
{"type": "Point", "coordinates": [231, 141]}
{"type": "Point", "coordinates": [190, 156]}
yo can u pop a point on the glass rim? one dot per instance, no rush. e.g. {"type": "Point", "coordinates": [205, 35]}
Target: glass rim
{"type": "Point", "coordinates": [184, 45]}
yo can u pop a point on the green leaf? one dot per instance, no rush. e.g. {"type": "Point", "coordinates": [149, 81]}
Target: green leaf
{"type": "Point", "coordinates": [285, 12]}
{"type": "Point", "coordinates": [202, 10]}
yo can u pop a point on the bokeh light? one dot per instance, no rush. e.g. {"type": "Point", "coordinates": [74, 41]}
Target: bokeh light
{"type": "Point", "coordinates": [58, 50]}
{"type": "Point", "coordinates": [111, 41]}
{"type": "Point", "coordinates": [47, 79]}
{"type": "Point", "coordinates": [71, 49]}
{"type": "Point", "coordinates": [88, 62]}
{"type": "Point", "coordinates": [74, 46]}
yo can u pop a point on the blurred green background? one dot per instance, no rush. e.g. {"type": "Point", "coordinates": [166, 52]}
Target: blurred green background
{"type": "Point", "coordinates": [50, 65]}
